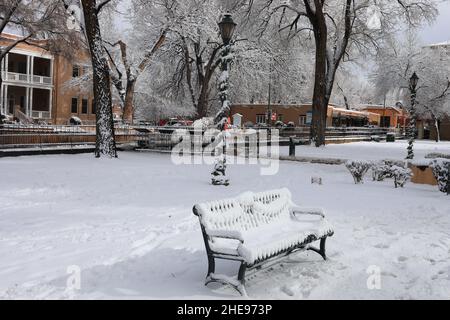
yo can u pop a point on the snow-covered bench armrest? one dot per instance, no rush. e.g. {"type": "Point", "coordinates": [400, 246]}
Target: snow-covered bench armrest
{"type": "Point", "coordinates": [225, 234]}
{"type": "Point", "coordinates": [311, 211]}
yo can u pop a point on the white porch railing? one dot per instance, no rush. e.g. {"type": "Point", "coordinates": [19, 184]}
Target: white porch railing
{"type": "Point", "coordinates": [25, 78]}
{"type": "Point", "coordinates": [40, 114]}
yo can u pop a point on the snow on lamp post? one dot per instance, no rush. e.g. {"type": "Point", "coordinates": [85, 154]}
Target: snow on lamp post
{"type": "Point", "coordinates": [226, 26]}
{"type": "Point", "coordinates": [413, 81]}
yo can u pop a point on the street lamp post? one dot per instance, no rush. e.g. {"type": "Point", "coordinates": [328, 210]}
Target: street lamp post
{"type": "Point", "coordinates": [226, 27]}
{"type": "Point", "coordinates": [413, 81]}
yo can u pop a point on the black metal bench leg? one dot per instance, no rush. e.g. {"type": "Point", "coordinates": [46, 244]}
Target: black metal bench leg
{"type": "Point", "coordinates": [211, 265]}
{"type": "Point", "coordinates": [322, 250]}
{"type": "Point", "coordinates": [241, 279]}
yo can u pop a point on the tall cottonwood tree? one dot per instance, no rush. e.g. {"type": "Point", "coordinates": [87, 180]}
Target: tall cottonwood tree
{"type": "Point", "coordinates": [338, 27]}
{"type": "Point", "coordinates": [105, 141]}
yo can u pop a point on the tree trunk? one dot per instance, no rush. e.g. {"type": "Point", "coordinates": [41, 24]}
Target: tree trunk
{"type": "Point", "coordinates": [128, 109]}
{"type": "Point", "coordinates": [203, 99]}
{"type": "Point", "coordinates": [202, 105]}
{"type": "Point", "coordinates": [105, 142]}
{"type": "Point", "coordinates": [320, 100]}
{"type": "Point", "coordinates": [438, 130]}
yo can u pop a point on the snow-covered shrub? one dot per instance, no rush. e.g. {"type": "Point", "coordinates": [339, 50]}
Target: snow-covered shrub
{"type": "Point", "coordinates": [401, 175]}
{"type": "Point", "coordinates": [380, 171]}
{"type": "Point", "coordinates": [219, 176]}
{"type": "Point", "coordinates": [441, 172]}
{"type": "Point", "coordinates": [383, 169]}
{"type": "Point", "coordinates": [358, 169]}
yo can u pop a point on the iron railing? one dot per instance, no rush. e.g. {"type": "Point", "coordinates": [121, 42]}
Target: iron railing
{"type": "Point", "coordinates": [23, 136]}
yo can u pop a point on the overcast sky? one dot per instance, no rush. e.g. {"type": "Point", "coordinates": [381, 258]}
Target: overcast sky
{"type": "Point", "coordinates": [440, 30]}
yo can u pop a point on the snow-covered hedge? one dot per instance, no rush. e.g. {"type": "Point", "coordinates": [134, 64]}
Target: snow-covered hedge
{"type": "Point", "coordinates": [383, 169]}
{"type": "Point", "coordinates": [441, 172]}
{"type": "Point", "coordinates": [358, 169]}
{"type": "Point", "coordinates": [396, 170]}
{"type": "Point", "coordinates": [401, 175]}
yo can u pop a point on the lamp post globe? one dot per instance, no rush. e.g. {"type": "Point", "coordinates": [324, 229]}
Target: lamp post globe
{"type": "Point", "coordinates": [226, 27]}
{"type": "Point", "coordinates": [413, 81]}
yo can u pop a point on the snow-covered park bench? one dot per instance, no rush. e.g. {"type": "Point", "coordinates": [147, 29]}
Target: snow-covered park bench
{"type": "Point", "coordinates": [257, 229]}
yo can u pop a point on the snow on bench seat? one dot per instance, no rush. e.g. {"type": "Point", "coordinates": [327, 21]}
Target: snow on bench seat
{"type": "Point", "coordinates": [269, 240]}
{"type": "Point", "coordinates": [255, 227]}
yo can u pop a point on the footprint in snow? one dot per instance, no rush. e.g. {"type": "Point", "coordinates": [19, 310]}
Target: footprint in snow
{"type": "Point", "coordinates": [285, 289]}
{"type": "Point", "coordinates": [382, 246]}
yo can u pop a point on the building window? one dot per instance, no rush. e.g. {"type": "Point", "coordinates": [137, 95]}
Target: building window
{"type": "Point", "coordinates": [302, 120]}
{"type": "Point", "coordinates": [94, 109]}
{"type": "Point", "coordinates": [75, 71]}
{"type": "Point", "coordinates": [74, 105]}
{"type": "Point", "coordinates": [260, 118]}
{"type": "Point", "coordinates": [84, 106]}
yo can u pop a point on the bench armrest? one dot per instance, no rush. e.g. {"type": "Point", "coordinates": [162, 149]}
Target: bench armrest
{"type": "Point", "coordinates": [311, 211]}
{"type": "Point", "coordinates": [225, 234]}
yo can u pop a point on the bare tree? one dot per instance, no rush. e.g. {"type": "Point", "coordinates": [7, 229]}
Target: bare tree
{"type": "Point", "coordinates": [338, 26]}
{"type": "Point", "coordinates": [105, 142]}
{"type": "Point", "coordinates": [395, 64]}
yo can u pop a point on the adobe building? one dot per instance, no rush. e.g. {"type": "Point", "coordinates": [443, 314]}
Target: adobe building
{"type": "Point", "coordinates": [390, 117]}
{"type": "Point", "coordinates": [301, 115]}
{"type": "Point", "coordinates": [35, 84]}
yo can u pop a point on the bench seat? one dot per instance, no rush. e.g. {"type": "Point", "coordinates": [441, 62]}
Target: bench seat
{"type": "Point", "coordinates": [256, 227]}
{"type": "Point", "coordinates": [270, 240]}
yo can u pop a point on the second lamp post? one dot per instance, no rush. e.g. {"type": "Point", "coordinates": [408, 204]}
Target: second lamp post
{"type": "Point", "coordinates": [226, 26]}
{"type": "Point", "coordinates": [412, 121]}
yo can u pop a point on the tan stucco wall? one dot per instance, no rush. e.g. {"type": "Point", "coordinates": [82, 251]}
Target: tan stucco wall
{"type": "Point", "coordinates": [63, 93]}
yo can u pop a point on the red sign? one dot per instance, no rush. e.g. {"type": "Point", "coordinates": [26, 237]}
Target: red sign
{"type": "Point", "coordinates": [274, 116]}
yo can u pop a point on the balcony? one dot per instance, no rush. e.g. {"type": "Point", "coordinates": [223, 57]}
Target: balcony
{"type": "Point", "coordinates": [25, 78]}
{"type": "Point", "coordinates": [25, 69]}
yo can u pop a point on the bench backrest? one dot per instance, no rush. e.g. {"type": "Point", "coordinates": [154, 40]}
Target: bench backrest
{"type": "Point", "coordinates": [248, 211]}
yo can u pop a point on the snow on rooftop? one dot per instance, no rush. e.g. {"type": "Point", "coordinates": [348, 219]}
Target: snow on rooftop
{"type": "Point", "coordinates": [440, 44]}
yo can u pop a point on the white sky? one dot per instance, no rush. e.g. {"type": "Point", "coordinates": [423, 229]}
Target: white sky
{"type": "Point", "coordinates": [440, 30]}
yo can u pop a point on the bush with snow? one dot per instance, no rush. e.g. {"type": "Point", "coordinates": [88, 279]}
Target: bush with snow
{"type": "Point", "coordinates": [441, 171]}
{"type": "Point", "coordinates": [383, 169]}
{"type": "Point", "coordinates": [380, 171]}
{"type": "Point", "coordinates": [401, 175]}
{"type": "Point", "coordinates": [358, 169]}
{"type": "Point", "coordinates": [390, 169]}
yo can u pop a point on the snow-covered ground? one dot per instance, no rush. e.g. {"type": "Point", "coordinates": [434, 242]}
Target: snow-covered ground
{"type": "Point", "coordinates": [127, 223]}
{"type": "Point", "coordinates": [371, 150]}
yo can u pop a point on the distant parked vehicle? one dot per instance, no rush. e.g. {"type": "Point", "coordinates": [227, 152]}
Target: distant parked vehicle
{"type": "Point", "coordinates": [75, 121]}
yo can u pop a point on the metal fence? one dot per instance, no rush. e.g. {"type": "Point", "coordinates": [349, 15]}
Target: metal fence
{"type": "Point", "coordinates": [152, 137]}
{"type": "Point", "coordinates": [23, 136]}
